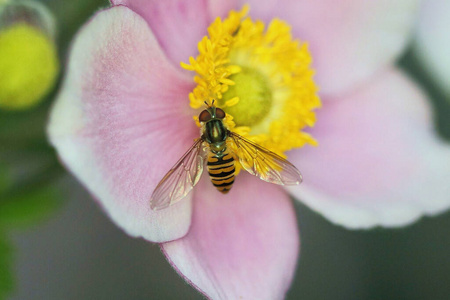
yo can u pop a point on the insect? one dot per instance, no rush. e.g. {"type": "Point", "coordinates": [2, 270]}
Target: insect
{"type": "Point", "coordinates": [220, 148]}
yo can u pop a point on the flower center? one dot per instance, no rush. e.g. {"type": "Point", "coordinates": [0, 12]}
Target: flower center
{"type": "Point", "coordinates": [260, 76]}
{"type": "Point", "coordinates": [255, 97]}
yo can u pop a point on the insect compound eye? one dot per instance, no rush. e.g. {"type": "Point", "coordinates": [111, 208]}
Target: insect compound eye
{"type": "Point", "coordinates": [204, 116]}
{"type": "Point", "coordinates": [220, 114]}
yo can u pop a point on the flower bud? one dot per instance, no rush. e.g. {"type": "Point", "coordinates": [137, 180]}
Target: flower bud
{"type": "Point", "coordinates": [28, 56]}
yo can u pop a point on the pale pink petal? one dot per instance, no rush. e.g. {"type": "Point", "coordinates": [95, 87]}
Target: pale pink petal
{"type": "Point", "coordinates": [350, 40]}
{"type": "Point", "coordinates": [432, 44]}
{"type": "Point", "coordinates": [379, 160]}
{"type": "Point", "coordinates": [219, 8]}
{"type": "Point", "coordinates": [122, 119]}
{"type": "Point", "coordinates": [243, 245]}
{"type": "Point", "coordinates": [178, 25]}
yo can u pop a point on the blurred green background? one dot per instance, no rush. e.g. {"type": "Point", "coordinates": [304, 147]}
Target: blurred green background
{"type": "Point", "coordinates": [56, 243]}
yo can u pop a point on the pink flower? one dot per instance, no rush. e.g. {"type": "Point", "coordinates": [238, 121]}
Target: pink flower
{"type": "Point", "coordinates": [122, 119]}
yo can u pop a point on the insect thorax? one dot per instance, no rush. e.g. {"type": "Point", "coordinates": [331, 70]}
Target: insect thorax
{"type": "Point", "coordinates": [215, 131]}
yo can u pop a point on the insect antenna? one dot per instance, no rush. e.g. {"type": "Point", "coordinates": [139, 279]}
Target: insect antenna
{"type": "Point", "coordinates": [207, 104]}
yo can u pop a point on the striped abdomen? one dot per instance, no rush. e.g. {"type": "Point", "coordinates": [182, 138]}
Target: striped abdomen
{"type": "Point", "coordinates": [221, 170]}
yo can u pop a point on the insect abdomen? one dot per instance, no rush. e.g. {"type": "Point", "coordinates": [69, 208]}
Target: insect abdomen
{"type": "Point", "coordinates": [221, 170]}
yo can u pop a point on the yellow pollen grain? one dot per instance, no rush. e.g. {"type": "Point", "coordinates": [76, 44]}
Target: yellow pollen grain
{"type": "Point", "coordinates": [274, 64]}
{"type": "Point", "coordinates": [233, 101]}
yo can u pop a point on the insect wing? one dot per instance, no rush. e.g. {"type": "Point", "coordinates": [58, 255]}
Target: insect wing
{"type": "Point", "coordinates": [264, 163]}
{"type": "Point", "coordinates": [180, 180]}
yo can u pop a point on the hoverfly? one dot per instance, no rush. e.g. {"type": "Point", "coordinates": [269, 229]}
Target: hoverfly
{"type": "Point", "coordinates": [220, 148]}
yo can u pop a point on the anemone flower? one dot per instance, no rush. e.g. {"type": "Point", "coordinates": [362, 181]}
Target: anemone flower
{"type": "Point", "coordinates": [125, 113]}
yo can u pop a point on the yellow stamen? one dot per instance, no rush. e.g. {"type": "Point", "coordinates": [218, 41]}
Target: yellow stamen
{"type": "Point", "coordinates": [260, 76]}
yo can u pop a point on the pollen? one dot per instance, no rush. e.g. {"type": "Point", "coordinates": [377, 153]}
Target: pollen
{"type": "Point", "coordinates": [260, 76]}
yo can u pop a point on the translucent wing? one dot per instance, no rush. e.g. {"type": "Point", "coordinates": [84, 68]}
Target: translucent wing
{"type": "Point", "coordinates": [264, 163]}
{"type": "Point", "coordinates": [180, 180]}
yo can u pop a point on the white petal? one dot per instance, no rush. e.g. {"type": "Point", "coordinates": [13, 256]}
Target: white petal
{"type": "Point", "coordinates": [432, 43]}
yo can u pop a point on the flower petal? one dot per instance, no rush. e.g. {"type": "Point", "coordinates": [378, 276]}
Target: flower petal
{"type": "Point", "coordinates": [350, 40]}
{"type": "Point", "coordinates": [432, 43]}
{"type": "Point", "coordinates": [122, 120]}
{"type": "Point", "coordinates": [243, 245]}
{"type": "Point", "coordinates": [379, 161]}
{"type": "Point", "coordinates": [178, 25]}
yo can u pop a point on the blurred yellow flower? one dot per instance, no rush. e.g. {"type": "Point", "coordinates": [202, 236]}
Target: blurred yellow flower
{"type": "Point", "coordinates": [28, 61]}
